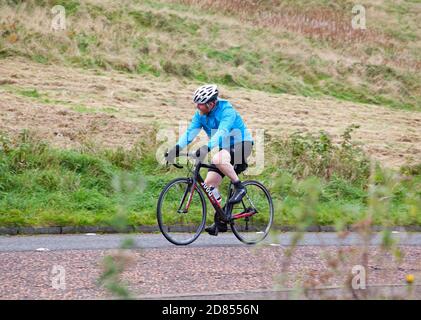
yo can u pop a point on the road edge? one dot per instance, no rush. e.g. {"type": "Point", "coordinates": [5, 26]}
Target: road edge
{"type": "Point", "coordinates": [13, 231]}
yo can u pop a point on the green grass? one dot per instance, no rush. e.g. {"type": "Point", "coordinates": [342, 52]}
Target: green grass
{"type": "Point", "coordinates": [32, 93]}
{"type": "Point", "coordinates": [109, 110]}
{"type": "Point", "coordinates": [44, 186]}
{"type": "Point", "coordinates": [44, 98]}
{"type": "Point", "coordinates": [82, 109]}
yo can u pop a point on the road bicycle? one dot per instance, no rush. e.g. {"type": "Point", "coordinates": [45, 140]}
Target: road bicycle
{"type": "Point", "coordinates": [181, 208]}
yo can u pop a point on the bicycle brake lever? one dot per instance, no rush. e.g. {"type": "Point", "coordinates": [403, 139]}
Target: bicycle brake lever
{"type": "Point", "coordinates": [174, 164]}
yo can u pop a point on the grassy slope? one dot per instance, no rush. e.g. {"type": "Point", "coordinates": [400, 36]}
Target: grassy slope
{"type": "Point", "coordinates": [42, 186]}
{"type": "Point", "coordinates": [243, 47]}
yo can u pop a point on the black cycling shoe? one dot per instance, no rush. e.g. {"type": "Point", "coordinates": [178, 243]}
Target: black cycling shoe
{"type": "Point", "coordinates": [239, 193]}
{"type": "Point", "coordinates": [217, 226]}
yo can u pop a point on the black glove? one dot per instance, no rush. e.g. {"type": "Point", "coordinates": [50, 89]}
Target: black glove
{"type": "Point", "coordinates": [202, 152]}
{"type": "Point", "coordinates": [172, 154]}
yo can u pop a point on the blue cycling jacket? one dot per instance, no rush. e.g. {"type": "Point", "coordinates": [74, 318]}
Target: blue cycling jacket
{"type": "Point", "coordinates": [223, 125]}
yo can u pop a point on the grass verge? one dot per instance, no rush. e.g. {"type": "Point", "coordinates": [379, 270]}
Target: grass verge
{"type": "Point", "coordinates": [43, 186]}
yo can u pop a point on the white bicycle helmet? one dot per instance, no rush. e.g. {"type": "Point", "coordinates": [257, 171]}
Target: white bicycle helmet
{"type": "Point", "coordinates": [206, 93]}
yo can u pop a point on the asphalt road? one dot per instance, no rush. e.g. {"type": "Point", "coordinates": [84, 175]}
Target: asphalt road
{"type": "Point", "coordinates": [28, 268]}
{"type": "Point", "coordinates": [111, 241]}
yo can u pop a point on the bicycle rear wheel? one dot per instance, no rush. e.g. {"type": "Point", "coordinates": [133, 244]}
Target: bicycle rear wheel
{"type": "Point", "coordinates": [179, 225]}
{"type": "Point", "coordinates": [253, 216]}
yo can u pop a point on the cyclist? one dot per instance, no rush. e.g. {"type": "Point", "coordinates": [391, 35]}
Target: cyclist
{"type": "Point", "coordinates": [227, 131]}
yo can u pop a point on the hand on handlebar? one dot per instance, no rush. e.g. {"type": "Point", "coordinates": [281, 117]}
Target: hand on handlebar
{"type": "Point", "coordinates": [171, 154]}
{"type": "Point", "coordinates": [201, 153]}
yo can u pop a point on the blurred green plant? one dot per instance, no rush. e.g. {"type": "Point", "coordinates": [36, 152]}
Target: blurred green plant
{"type": "Point", "coordinates": [384, 189]}
{"type": "Point", "coordinates": [126, 186]}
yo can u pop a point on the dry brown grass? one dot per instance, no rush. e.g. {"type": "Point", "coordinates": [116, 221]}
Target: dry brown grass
{"type": "Point", "coordinates": [391, 136]}
{"type": "Point", "coordinates": [318, 22]}
{"type": "Point", "coordinates": [30, 24]}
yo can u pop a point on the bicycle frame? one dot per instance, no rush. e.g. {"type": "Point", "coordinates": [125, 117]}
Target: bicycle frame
{"type": "Point", "coordinates": [197, 180]}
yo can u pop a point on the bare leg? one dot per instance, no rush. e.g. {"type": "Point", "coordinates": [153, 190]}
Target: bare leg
{"type": "Point", "coordinates": [213, 179]}
{"type": "Point", "coordinates": [222, 161]}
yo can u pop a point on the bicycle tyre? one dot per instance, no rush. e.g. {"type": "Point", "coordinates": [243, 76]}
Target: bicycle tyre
{"type": "Point", "coordinates": [165, 230]}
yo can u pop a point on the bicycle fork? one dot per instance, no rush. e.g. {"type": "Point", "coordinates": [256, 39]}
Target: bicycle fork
{"type": "Point", "coordinates": [190, 187]}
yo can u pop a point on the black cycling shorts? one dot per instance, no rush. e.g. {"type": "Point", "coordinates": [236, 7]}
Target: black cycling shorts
{"type": "Point", "coordinates": [239, 153]}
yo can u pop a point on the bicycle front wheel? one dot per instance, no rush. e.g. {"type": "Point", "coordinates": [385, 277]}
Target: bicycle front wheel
{"type": "Point", "coordinates": [253, 216]}
{"type": "Point", "coordinates": [181, 213]}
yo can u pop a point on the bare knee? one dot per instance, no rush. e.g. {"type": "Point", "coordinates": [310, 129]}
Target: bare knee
{"type": "Point", "coordinates": [222, 157]}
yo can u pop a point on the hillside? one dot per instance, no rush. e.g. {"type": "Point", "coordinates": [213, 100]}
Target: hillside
{"type": "Point", "coordinates": [68, 106]}
{"type": "Point", "coordinates": [305, 48]}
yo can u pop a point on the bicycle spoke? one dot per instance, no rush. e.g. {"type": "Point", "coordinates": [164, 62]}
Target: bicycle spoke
{"type": "Point", "coordinates": [251, 202]}
{"type": "Point", "coordinates": [254, 227]}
